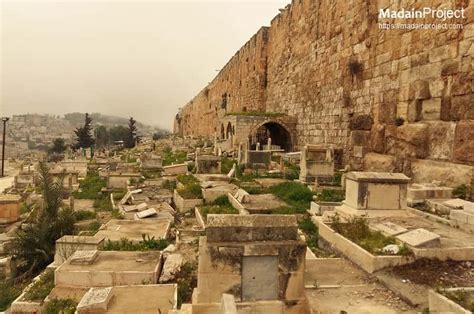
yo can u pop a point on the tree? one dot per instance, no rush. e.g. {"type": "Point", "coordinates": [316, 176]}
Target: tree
{"type": "Point", "coordinates": [118, 133]}
{"type": "Point", "coordinates": [132, 136]}
{"type": "Point", "coordinates": [34, 245]}
{"type": "Point", "coordinates": [59, 146]}
{"type": "Point", "coordinates": [84, 134]}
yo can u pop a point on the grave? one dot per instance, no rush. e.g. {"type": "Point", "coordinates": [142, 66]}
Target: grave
{"type": "Point", "coordinates": [120, 180]}
{"type": "Point", "coordinates": [420, 238]}
{"type": "Point", "coordinates": [133, 230]}
{"type": "Point", "coordinates": [175, 169]}
{"type": "Point", "coordinates": [109, 268]}
{"type": "Point", "coordinates": [208, 164]}
{"type": "Point", "coordinates": [146, 213]}
{"type": "Point", "coordinates": [257, 159]}
{"type": "Point", "coordinates": [68, 244]}
{"type": "Point", "coordinates": [419, 192]}
{"type": "Point", "coordinates": [316, 163]}
{"type": "Point", "coordinates": [213, 189]}
{"type": "Point", "coordinates": [249, 257]}
{"type": "Point", "coordinates": [9, 208]}
{"type": "Point", "coordinates": [389, 229]}
{"type": "Point", "coordinates": [151, 162]}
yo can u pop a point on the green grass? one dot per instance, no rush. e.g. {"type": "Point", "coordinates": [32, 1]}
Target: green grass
{"type": "Point", "coordinates": [60, 306]}
{"type": "Point", "coordinates": [294, 194]}
{"type": "Point", "coordinates": [42, 287]}
{"type": "Point", "coordinates": [84, 215]}
{"type": "Point", "coordinates": [147, 244]}
{"type": "Point", "coordinates": [169, 185]}
{"type": "Point", "coordinates": [90, 187]}
{"type": "Point", "coordinates": [103, 204]}
{"type": "Point", "coordinates": [357, 230]}
{"type": "Point", "coordinates": [330, 195]}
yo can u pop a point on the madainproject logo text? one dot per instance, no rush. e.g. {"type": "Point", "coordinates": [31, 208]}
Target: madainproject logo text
{"type": "Point", "coordinates": [442, 14]}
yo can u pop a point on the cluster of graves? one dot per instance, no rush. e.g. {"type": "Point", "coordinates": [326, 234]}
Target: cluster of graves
{"type": "Point", "coordinates": [257, 246]}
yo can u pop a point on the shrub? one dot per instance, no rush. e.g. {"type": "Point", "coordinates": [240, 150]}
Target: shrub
{"type": "Point", "coordinates": [169, 184]}
{"type": "Point", "coordinates": [222, 200]}
{"type": "Point", "coordinates": [226, 165]}
{"type": "Point", "coordinates": [309, 228]}
{"type": "Point", "coordinates": [41, 287]}
{"type": "Point", "coordinates": [187, 179]}
{"type": "Point", "coordinates": [60, 306]}
{"type": "Point", "coordinates": [8, 294]}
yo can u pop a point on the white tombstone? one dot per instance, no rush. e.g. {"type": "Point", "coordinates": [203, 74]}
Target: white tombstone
{"type": "Point", "coordinates": [232, 171]}
{"type": "Point", "coordinates": [269, 144]}
{"type": "Point", "coordinates": [257, 146]}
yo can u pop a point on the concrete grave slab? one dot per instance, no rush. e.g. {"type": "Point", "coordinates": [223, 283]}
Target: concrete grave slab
{"type": "Point", "coordinates": [389, 228]}
{"type": "Point", "coordinates": [83, 257]}
{"type": "Point", "coordinates": [420, 238]}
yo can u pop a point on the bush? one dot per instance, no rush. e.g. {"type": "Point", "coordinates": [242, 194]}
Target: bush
{"type": "Point", "coordinates": [222, 200]}
{"type": "Point", "coordinates": [226, 165]}
{"type": "Point", "coordinates": [187, 179]}
{"type": "Point", "coordinates": [84, 215]}
{"type": "Point", "coordinates": [41, 287]}
{"type": "Point", "coordinates": [169, 184]}
{"type": "Point", "coordinates": [60, 306]}
{"type": "Point", "coordinates": [147, 244]}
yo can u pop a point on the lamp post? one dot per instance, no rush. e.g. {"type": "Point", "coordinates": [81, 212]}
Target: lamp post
{"type": "Point", "coordinates": [4, 119]}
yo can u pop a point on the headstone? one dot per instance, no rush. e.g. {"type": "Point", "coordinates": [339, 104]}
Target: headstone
{"type": "Point", "coordinates": [258, 146]}
{"type": "Point", "coordinates": [232, 171]}
{"type": "Point", "coordinates": [171, 267]}
{"type": "Point", "coordinates": [420, 238]}
{"type": "Point", "coordinates": [146, 213]}
{"type": "Point", "coordinates": [269, 144]}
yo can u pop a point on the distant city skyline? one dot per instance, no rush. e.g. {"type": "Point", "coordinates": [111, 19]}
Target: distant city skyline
{"type": "Point", "coordinates": [141, 59]}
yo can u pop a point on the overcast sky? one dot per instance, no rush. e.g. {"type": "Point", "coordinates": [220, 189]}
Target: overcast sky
{"type": "Point", "coordinates": [141, 59]}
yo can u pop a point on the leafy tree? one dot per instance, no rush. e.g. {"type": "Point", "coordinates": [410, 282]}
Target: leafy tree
{"type": "Point", "coordinates": [34, 245]}
{"type": "Point", "coordinates": [132, 136]}
{"type": "Point", "coordinates": [84, 134]}
{"type": "Point", "coordinates": [56, 152]}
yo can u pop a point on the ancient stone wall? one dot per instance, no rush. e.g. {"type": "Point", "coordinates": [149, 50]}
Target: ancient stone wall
{"type": "Point", "coordinates": [397, 100]}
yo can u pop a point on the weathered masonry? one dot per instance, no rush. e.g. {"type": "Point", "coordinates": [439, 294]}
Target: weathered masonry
{"type": "Point", "coordinates": [392, 100]}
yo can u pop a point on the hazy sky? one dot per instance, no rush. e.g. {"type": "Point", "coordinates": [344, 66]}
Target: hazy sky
{"type": "Point", "coordinates": [141, 59]}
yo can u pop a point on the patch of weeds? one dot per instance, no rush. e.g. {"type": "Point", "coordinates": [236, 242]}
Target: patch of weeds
{"type": "Point", "coordinates": [170, 157]}
{"type": "Point", "coordinates": [60, 306]}
{"type": "Point", "coordinates": [226, 165]}
{"type": "Point", "coordinates": [256, 190]}
{"type": "Point", "coordinates": [461, 191]}
{"type": "Point", "coordinates": [147, 244]}
{"type": "Point", "coordinates": [286, 210]}
{"type": "Point", "coordinates": [330, 195]}
{"type": "Point", "coordinates": [357, 230]}
{"type": "Point", "coordinates": [221, 205]}
{"type": "Point", "coordinates": [103, 204]}
{"type": "Point", "coordinates": [191, 191]}
{"type": "Point", "coordinates": [307, 226]}
{"type": "Point", "coordinates": [187, 281]}
{"type": "Point", "coordinates": [84, 215]}
{"type": "Point", "coordinates": [460, 296]}
{"type": "Point", "coordinates": [41, 287]}
{"type": "Point", "coordinates": [295, 194]}
{"type": "Point", "coordinates": [151, 174]}
{"type": "Point", "coordinates": [187, 179]}
{"type": "Point", "coordinates": [169, 185]}
{"type": "Point", "coordinates": [90, 187]}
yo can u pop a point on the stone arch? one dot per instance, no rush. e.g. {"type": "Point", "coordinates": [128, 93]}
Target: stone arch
{"type": "Point", "coordinates": [228, 133]}
{"type": "Point", "coordinates": [276, 130]}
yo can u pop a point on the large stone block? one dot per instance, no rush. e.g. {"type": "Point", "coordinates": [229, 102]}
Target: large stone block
{"type": "Point", "coordinates": [464, 142]}
{"type": "Point", "coordinates": [431, 109]}
{"type": "Point", "coordinates": [441, 139]}
{"type": "Point", "coordinates": [412, 140]}
{"type": "Point", "coordinates": [462, 107]}
{"type": "Point", "coordinates": [377, 138]}
{"type": "Point", "coordinates": [379, 163]}
{"type": "Point", "coordinates": [419, 90]}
